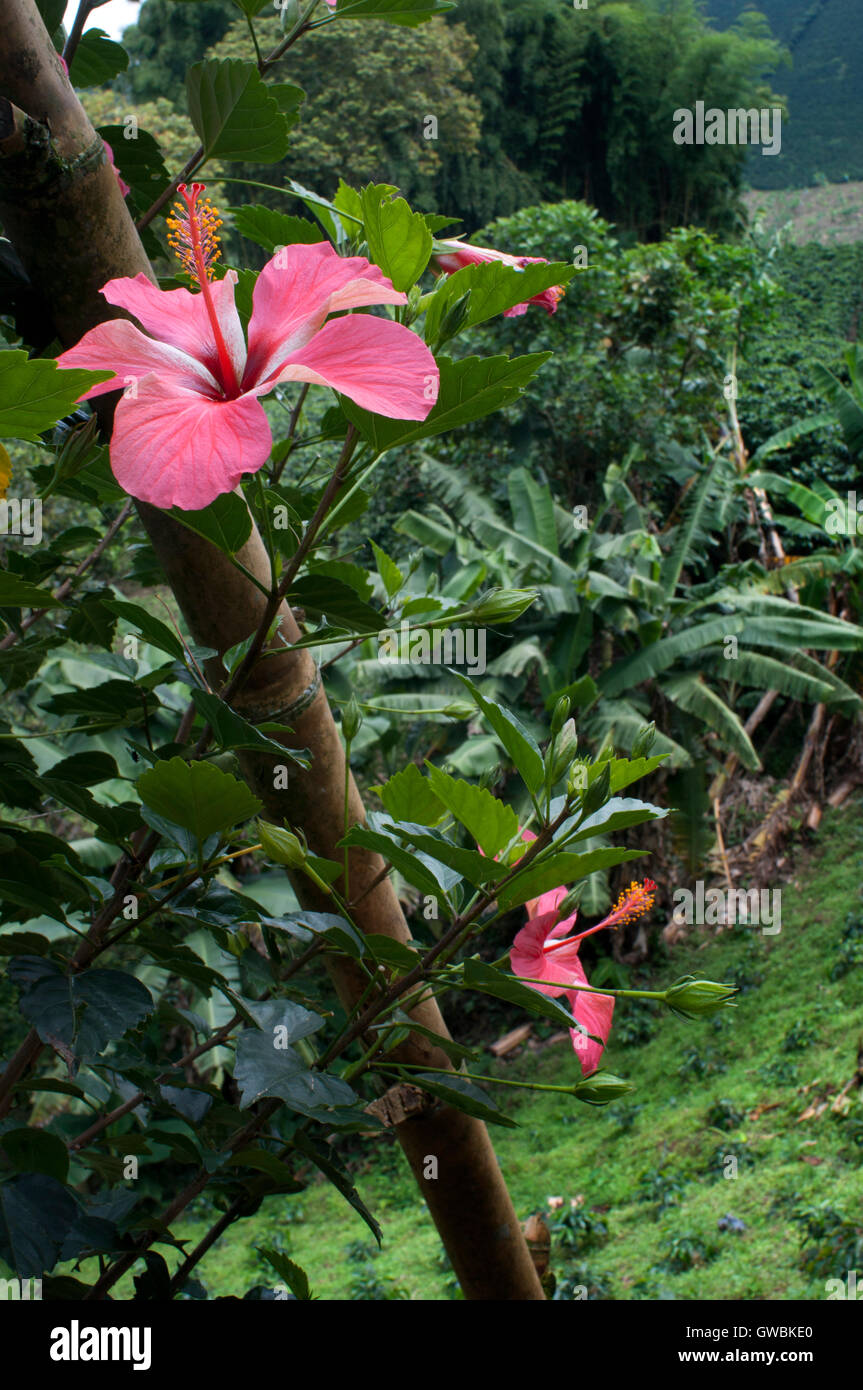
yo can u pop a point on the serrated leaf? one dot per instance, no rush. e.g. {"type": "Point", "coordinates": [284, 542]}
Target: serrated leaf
{"type": "Point", "coordinates": [197, 796]}
{"type": "Point", "coordinates": [97, 59]}
{"type": "Point", "coordinates": [293, 1274]}
{"type": "Point", "coordinates": [226, 522]}
{"type": "Point", "coordinates": [494, 287]}
{"type": "Point", "coordinates": [562, 869]}
{"type": "Point", "coordinates": [234, 114]}
{"type": "Point", "coordinates": [35, 393]}
{"type": "Point", "coordinates": [36, 1212]}
{"type": "Point", "coordinates": [233, 731]}
{"type": "Point", "coordinates": [492, 823]}
{"type": "Point", "coordinates": [488, 980]}
{"type": "Point", "coordinates": [399, 240]}
{"type": "Point", "coordinates": [469, 389]}
{"type": "Point", "coordinates": [409, 795]}
{"type": "Point", "coordinates": [269, 228]}
{"type": "Point", "coordinates": [263, 1070]}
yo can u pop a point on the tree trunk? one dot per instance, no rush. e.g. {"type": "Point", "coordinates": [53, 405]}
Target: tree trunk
{"type": "Point", "coordinates": [62, 208]}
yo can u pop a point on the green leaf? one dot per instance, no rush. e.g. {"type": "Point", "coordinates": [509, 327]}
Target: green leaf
{"type": "Point", "coordinates": [320, 595]}
{"type": "Point", "coordinates": [139, 161]}
{"type": "Point", "coordinates": [197, 796]}
{"type": "Point", "coordinates": [391, 575]}
{"type": "Point", "coordinates": [491, 823]}
{"type": "Point", "coordinates": [226, 522]}
{"type": "Point", "coordinates": [17, 593]}
{"type": "Point", "coordinates": [695, 696]}
{"type": "Point", "coordinates": [36, 1151]}
{"type": "Point", "coordinates": [293, 1275]}
{"type": "Point", "coordinates": [494, 287]}
{"type": "Point", "coordinates": [488, 980]}
{"type": "Point", "coordinates": [157, 633]}
{"type": "Point", "coordinates": [97, 59]}
{"type": "Point", "coordinates": [81, 1014]}
{"type": "Point", "coordinates": [35, 394]}
{"type": "Point", "coordinates": [36, 1214]}
{"type": "Point", "coordinates": [469, 389]}
{"type": "Point", "coordinates": [429, 879]}
{"type": "Point", "coordinates": [409, 795]}
{"type": "Point", "coordinates": [519, 744]}
{"type": "Point", "coordinates": [234, 114]}
{"type": "Point", "coordinates": [263, 1070]}
{"type": "Point", "coordinates": [652, 660]}
{"type": "Point", "coordinates": [303, 925]}
{"type": "Point", "coordinates": [461, 1094]}
{"type": "Point", "coordinates": [399, 240]}
{"type": "Point", "coordinates": [617, 814]}
{"type": "Point", "coordinates": [233, 731]}
{"type": "Point", "coordinates": [262, 1161]}
{"type": "Point", "coordinates": [563, 868]}
{"type": "Point", "coordinates": [467, 863]}
{"type": "Point", "coordinates": [269, 228]}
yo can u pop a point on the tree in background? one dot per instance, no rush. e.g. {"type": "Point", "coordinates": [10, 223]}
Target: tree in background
{"type": "Point", "coordinates": [167, 38]}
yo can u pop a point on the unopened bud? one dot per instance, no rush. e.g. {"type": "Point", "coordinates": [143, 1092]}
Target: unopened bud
{"type": "Point", "coordinates": [282, 846]}
{"type": "Point", "coordinates": [502, 605]}
{"type": "Point", "coordinates": [692, 998]}
{"type": "Point", "coordinates": [601, 1088]}
{"type": "Point", "coordinates": [562, 751]}
{"type": "Point", "coordinates": [460, 709]}
{"type": "Point", "coordinates": [598, 792]}
{"type": "Point", "coordinates": [352, 718]}
{"type": "Point", "coordinates": [570, 903]}
{"type": "Point", "coordinates": [490, 777]}
{"type": "Point", "coordinates": [561, 714]}
{"type": "Point", "coordinates": [644, 741]}
{"type": "Point", "coordinates": [453, 319]}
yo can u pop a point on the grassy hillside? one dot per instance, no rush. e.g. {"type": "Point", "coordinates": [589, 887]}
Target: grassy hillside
{"type": "Point", "coordinates": [824, 88]}
{"type": "Point", "coordinates": [756, 1085]}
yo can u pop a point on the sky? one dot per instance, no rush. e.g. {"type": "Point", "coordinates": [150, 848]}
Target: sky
{"type": "Point", "coordinates": [112, 17]}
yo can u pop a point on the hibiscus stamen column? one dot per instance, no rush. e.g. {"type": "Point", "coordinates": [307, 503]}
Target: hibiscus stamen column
{"type": "Point", "coordinates": [64, 211]}
{"type": "Point", "coordinates": [193, 235]}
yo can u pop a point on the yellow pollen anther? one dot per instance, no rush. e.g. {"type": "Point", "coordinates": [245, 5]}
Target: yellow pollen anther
{"type": "Point", "coordinates": [193, 233]}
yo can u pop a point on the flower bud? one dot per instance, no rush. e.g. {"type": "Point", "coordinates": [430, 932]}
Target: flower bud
{"type": "Point", "coordinates": [598, 792]}
{"type": "Point", "coordinates": [352, 718]}
{"type": "Point", "coordinates": [692, 998]}
{"type": "Point", "coordinates": [644, 741]}
{"type": "Point", "coordinates": [561, 714]}
{"type": "Point", "coordinates": [282, 846]}
{"type": "Point", "coordinates": [460, 709]}
{"type": "Point", "coordinates": [561, 752]}
{"type": "Point", "coordinates": [570, 903]}
{"type": "Point", "coordinates": [601, 1088]}
{"type": "Point", "coordinates": [453, 318]}
{"type": "Point", "coordinates": [502, 605]}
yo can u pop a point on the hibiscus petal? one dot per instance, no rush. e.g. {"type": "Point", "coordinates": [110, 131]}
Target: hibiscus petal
{"type": "Point", "coordinates": [594, 1011]}
{"type": "Point", "coordinates": [529, 961]}
{"type": "Point", "coordinates": [118, 346]}
{"type": "Point", "coordinates": [176, 448]}
{"type": "Point", "coordinates": [296, 291]}
{"type": "Point", "coordinates": [180, 317]}
{"type": "Point", "coordinates": [381, 365]}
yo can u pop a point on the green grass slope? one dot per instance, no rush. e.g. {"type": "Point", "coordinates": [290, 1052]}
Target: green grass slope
{"type": "Point", "coordinates": [653, 1169]}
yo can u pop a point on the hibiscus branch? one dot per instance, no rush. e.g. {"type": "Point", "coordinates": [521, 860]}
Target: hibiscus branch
{"type": "Point", "coordinates": [292, 426]}
{"type": "Point", "coordinates": [76, 33]}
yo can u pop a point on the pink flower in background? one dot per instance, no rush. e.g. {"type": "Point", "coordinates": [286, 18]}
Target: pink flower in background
{"type": "Point", "coordinates": [124, 187]}
{"type": "Point", "coordinates": [190, 423]}
{"type": "Point", "coordinates": [545, 952]}
{"type": "Point", "coordinates": [458, 255]}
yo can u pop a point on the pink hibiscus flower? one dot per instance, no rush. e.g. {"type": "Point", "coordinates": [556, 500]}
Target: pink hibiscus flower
{"type": "Point", "coordinates": [458, 255]}
{"type": "Point", "coordinates": [545, 952]}
{"type": "Point", "coordinates": [190, 423]}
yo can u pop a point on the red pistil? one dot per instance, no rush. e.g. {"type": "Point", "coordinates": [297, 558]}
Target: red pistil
{"type": "Point", "coordinates": [193, 236]}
